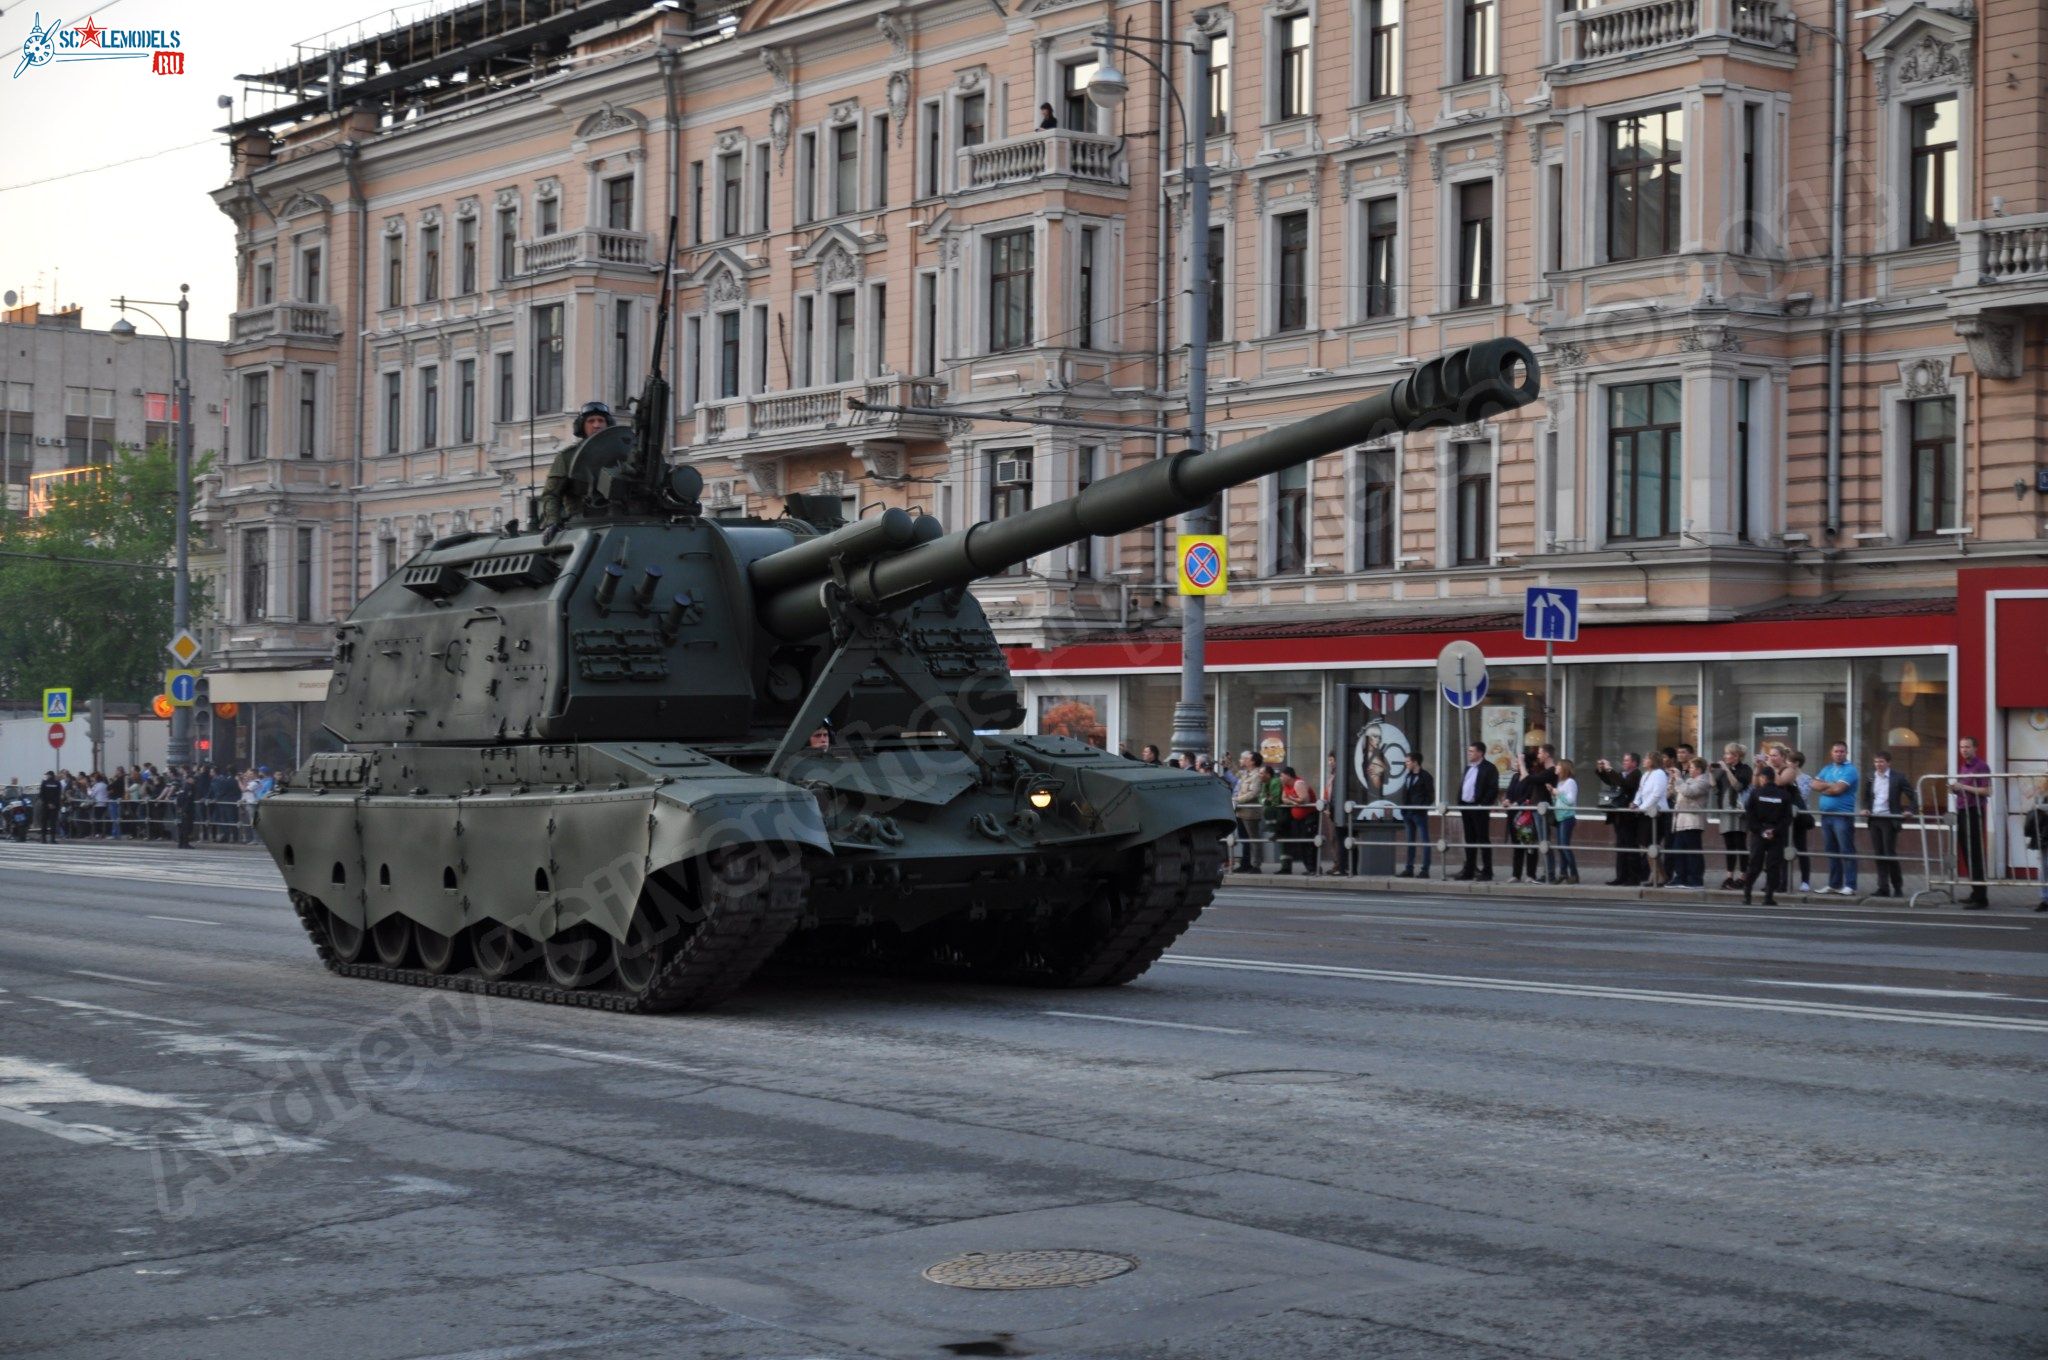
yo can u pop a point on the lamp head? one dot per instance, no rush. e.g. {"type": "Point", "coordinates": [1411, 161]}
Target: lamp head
{"type": "Point", "coordinates": [123, 331]}
{"type": "Point", "coordinates": [1107, 87]}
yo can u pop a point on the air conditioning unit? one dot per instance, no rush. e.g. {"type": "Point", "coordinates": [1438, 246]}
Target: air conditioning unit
{"type": "Point", "coordinates": [134, 391]}
{"type": "Point", "coordinates": [1013, 471]}
{"type": "Point", "coordinates": [44, 440]}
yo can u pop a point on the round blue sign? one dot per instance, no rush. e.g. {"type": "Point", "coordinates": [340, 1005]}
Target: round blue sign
{"type": "Point", "coordinates": [1202, 564]}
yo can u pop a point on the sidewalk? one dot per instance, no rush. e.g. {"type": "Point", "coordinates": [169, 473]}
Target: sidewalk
{"type": "Point", "coordinates": [2004, 898]}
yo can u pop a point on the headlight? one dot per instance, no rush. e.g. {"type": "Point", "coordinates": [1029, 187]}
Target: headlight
{"type": "Point", "coordinates": [1041, 798]}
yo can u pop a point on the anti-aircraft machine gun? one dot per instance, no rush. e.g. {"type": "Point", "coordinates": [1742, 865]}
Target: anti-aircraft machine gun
{"type": "Point", "coordinates": [580, 768]}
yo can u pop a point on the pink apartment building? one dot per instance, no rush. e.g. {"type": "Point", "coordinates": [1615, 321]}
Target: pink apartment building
{"type": "Point", "coordinates": [1792, 415]}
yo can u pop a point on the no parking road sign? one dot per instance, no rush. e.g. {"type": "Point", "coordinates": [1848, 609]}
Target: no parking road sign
{"type": "Point", "coordinates": [1204, 564]}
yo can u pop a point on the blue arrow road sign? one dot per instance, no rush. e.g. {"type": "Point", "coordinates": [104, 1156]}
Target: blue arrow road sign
{"type": "Point", "coordinates": [1551, 615]}
{"type": "Point", "coordinates": [185, 687]}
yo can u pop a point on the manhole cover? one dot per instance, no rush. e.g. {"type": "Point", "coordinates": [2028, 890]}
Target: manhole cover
{"type": "Point", "coordinates": [1045, 1269]}
{"type": "Point", "coordinates": [1284, 1077]}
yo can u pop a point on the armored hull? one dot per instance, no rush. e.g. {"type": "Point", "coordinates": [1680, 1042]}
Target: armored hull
{"type": "Point", "coordinates": [626, 762]}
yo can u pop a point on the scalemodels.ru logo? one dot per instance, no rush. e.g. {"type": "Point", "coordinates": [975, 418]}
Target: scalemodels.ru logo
{"type": "Point", "coordinates": [90, 42]}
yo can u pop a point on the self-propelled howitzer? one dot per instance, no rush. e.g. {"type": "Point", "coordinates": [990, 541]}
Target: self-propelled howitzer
{"type": "Point", "coordinates": [625, 763]}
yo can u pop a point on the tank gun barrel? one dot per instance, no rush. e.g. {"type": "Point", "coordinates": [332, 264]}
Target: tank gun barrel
{"type": "Point", "coordinates": [808, 562]}
{"type": "Point", "coordinates": [1469, 384]}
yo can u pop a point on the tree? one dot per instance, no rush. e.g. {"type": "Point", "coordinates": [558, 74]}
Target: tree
{"type": "Point", "coordinates": [65, 619]}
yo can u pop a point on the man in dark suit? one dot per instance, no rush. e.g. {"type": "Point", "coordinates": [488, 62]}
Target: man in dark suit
{"type": "Point", "coordinates": [1630, 869]}
{"type": "Point", "coordinates": [1887, 802]}
{"type": "Point", "coordinates": [1478, 791]}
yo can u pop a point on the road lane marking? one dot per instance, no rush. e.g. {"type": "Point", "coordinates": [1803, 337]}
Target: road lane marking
{"type": "Point", "coordinates": [1834, 1010]}
{"type": "Point", "coordinates": [181, 920]}
{"type": "Point", "coordinates": [70, 1133]}
{"type": "Point", "coordinates": [1755, 918]}
{"type": "Point", "coordinates": [109, 1010]}
{"type": "Point", "coordinates": [116, 977]}
{"type": "Point", "coordinates": [1901, 991]}
{"type": "Point", "coordinates": [1157, 1024]}
{"type": "Point", "coordinates": [623, 1060]}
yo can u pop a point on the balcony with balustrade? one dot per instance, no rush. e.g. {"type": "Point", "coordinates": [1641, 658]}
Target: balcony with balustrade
{"type": "Point", "coordinates": [815, 419]}
{"type": "Point", "coordinates": [1052, 157]}
{"type": "Point", "coordinates": [589, 248]}
{"type": "Point", "coordinates": [1596, 40]}
{"type": "Point", "coordinates": [2001, 276]}
{"type": "Point", "coordinates": [307, 323]}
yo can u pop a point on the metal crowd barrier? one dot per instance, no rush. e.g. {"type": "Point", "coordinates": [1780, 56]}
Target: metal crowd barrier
{"type": "Point", "coordinates": [1985, 835]}
{"type": "Point", "coordinates": [152, 819]}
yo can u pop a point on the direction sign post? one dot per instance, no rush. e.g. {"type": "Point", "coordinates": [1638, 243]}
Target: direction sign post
{"type": "Point", "coordinates": [1461, 675]}
{"type": "Point", "coordinates": [1550, 615]}
{"type": "Point", "coordinates": [182, 686]}
{"type": "Point", "coordinates": [56, 731]}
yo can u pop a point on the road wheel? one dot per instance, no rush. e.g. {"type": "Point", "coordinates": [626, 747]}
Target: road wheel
{"type": "Point", "coordinates": [503, 953]}
{"type": "Point", "coordinates": [439, 953]}
{"type": "Point", "coordinates": [649, 935]}
{"type": "Point", "coordinates": [344, 938]}
{"type": "Point", "coordinates": [578, 956]}
{"type": "Point", "coordinates": [391, 938]}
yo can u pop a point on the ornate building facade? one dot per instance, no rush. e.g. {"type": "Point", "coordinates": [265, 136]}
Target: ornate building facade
{"type": "Point", "coordinates": [1793, 359]}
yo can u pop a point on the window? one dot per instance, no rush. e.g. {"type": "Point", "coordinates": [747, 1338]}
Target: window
{"type": "Point", "coordinates": [973, 119]}
{"type": "Point", "coordinates": [693, 360]}
{"type": "Point", "coordinates": [618, 203]}
{"type": "Point", "coordinates": [762, 182]}
{"type": "Point", "coordinates": [1219, 84]}
{"type": "Point", "coordinates": [1082, 553]}
{"type": "Point", "coordinates": [1746, 229]}
{"type": "Point", "coordinates": [392, 398]}
{"type": "Point", "coordinates": [95, 403]}
{"type": "Point", "coordinates": [1290, 521]}
{"type": "Point", "coordinates": [1382, 255]}
{"type": "Point", "coordinates": [430, 263]}
{"type": "Point", "coordinates": [1475, 243]}
{"type": "Point", "coordinates": [1377, 498]}
{"type": "Point", "coordinates": [1009, 290]}
{"type": "Point", "coordinates": [387, 551]}
{"type": "Point", "coordinates": [394, 271]}
{"type": "Point", "coordinates": [1643, 454]}
{"type": "Point", "coordinates": [842, 337]}
{"type": "Point", "coordinates": [696, 203]}
{"type": "Point", "coordinates": [729, 195]}
{"type": "Point", "coordinates": [878, 329]}
{"type": "Point", "coordinates": [846, 169]}
{"type": "Point", "coordinates": [508, 385]}
{"type": "Point", "coordinates": [1554, 180]}
{"type": "Point", "coordinates": [934, 147]}
{"type": "Point", "coordinates": [1744, 452]}
{"type": "Point", "coordinates": [465, 398]}
{"type": "Point", "coordinates": [1931, 466]}
{"type": "Point", "coordinates": [1009, 490]}
{"type": "Point", "coordinates": [927, 324]}
{"type": "Point", "coordinates": [1644, 155]}
{"type": "Point", "coordinates": [1084, 321]}
{"type": "Point", "coordinates": [1219, 273]}
{"type": "Point", "coordinates": [760, 330]}
{"type": "Point", "coordinates": [1476, 39]}
{"type": "Point", "coordinates": [21, 396]}
{"type": "Point", "coordinates": [1472, 535]}
{"type": "Point", "coordinates": [255, 574]}
{"type": "Point", "coordinates": [1290, 271]}
{"type": "Point", "coordinates": [465, 255]}
{"type": "Point", "coordinates": [309, 411]}
{"type": "Point", "coordinates": [1382, 49]}
{"type": "Point", "coordinates": [806, 339]}
{"type": "Point", "coordinates": [1077, 111]}
{"type": "Point", "coordinates": [256, 415]}
{"type": "Point", "coordinates": [622, 352]}
{"type": "Point", "coordinates": [508, 244]}
{"type": "Point", "coordinates": [806, 177]}
{"type": "Point", "coordinates": [312, 288]}
{"type": "Point", "coordinates": [1933, 126]}
{"type": "Point", "coordinates": [547, 358]}
{"type": "Point", "coordinates": [728, 355]}
{"type": "Point", "coordinates": [264, 291]}
{"type": "Point", "coordinates": [550, 215]}
{"type": "Point", "coordinates": [1290, 47]}
{"type": "Point", "coordinates": [878, 155]}
{"type": "Point", "coordinates": [430, 406]}
{"type": "Point", "coordinates": [302, 576]}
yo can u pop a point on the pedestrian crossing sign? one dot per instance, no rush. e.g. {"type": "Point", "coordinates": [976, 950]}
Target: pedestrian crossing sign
{"type": "Point", "coordinates": [57, 705]}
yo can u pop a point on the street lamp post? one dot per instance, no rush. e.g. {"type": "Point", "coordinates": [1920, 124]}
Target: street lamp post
{"type": "Point", "coordinates": [1107, 88]}
{"type": "Point", "coordinates": [181, 444]}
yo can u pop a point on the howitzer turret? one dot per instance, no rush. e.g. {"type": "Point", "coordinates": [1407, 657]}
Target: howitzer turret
{"type": "Point", "coordinates": [623, 762]}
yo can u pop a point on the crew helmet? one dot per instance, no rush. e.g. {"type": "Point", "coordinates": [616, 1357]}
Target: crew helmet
{"type": "Point", "coordinates": [590, 408]}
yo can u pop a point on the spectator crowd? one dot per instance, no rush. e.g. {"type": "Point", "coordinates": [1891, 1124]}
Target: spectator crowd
{"type": "Point", "coordinates": [178, 803]}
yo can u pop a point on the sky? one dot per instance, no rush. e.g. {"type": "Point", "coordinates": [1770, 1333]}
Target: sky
{"type": "Point", "coordinates": [141, 228]}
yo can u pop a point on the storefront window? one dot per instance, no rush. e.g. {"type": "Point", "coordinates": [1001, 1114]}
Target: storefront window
{"type": "Point", "coordinates": [1802, 703]}
{"type": "Point", "coordinates": [1634, 708]}
{"type": "Point", "coordinates": [1901, 707]}
{"type": "Point", "coordinates": [1379, 717]}
{"type": "Point", "coordinates": [274, 737]}
{"type": "Point", "coordinates": [1278, 714]}
{"type": "Point", "coordinates": [1081, 713]}
{"type": "Point", "coordinates": [1512, 718]}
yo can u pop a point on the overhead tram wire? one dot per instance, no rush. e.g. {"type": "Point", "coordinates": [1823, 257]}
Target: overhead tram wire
{"type": "Point", "coordinates": [110, 165]}
{"type": "Point", "coordinates": [94, 13]}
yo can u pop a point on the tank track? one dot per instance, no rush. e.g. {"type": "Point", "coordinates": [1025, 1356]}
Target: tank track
{"type": "Point", "coordinates": [719, 958]}
{"type": "Point", "coordinates": [1171, 883]}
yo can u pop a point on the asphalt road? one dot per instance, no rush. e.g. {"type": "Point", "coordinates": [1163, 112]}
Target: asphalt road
{"type": "Point", "coordinates": [1329, 1125]}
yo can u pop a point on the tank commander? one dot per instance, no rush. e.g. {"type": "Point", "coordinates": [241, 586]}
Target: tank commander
{"type": "Point", "coordinates": [563, 495]}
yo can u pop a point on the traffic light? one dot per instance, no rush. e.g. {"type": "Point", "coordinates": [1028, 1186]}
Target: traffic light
{"type": "Point", "coordinates": [96, 722]}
